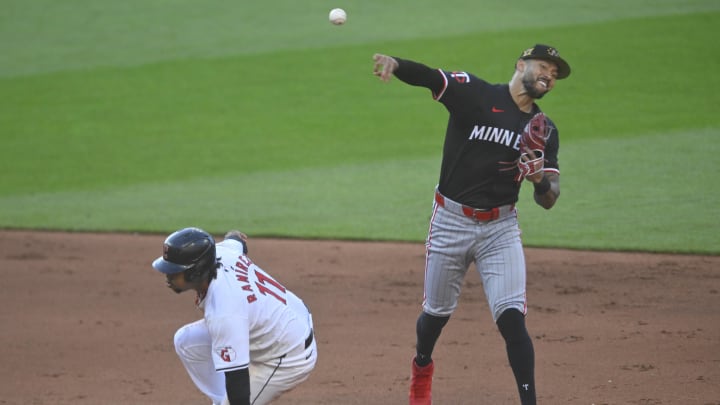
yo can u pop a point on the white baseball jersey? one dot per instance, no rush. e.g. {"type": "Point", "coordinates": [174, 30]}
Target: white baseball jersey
{"type": "Point", "coordinates": [249, 315]}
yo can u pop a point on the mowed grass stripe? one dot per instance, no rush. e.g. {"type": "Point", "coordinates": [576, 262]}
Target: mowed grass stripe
{"type": "Point", "coordinates": [669, 207]}
{"type": "Point", "coordinates": [76, 143]}
{"type": "Point", "coordinates": [633, 194]}
{"type": "Point", "coordinates": [47, 35]}
{"type": "Point", "coordinates": [111, 127]}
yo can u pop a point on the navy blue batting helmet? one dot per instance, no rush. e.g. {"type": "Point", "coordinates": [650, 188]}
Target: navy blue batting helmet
{"type": "Point", "coordinates": [189, 250]}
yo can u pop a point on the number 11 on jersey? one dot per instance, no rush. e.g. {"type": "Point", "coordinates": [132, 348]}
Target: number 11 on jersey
{"type": "Point", "coordinates": [267, 285]}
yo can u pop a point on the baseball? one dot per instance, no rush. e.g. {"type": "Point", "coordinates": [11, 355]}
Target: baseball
{"type": "Point", "coordinates": [338, 16]}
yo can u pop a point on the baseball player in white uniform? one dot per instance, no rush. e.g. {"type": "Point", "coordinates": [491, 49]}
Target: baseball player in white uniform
{"type": "Point", "coordinates": [256, 340]}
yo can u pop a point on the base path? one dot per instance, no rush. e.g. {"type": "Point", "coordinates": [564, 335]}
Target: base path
{"type": "Point", "coordinates": [86, 320]}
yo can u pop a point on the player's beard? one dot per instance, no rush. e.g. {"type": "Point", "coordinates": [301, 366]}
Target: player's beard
{"type": "Point", "coordinates": [172, 286]}
{"type": "Point", "coordinates": [529, 84]}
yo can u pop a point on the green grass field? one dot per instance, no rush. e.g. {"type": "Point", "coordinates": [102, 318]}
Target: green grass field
{"type": "Point", "coordinates": [151, 116]}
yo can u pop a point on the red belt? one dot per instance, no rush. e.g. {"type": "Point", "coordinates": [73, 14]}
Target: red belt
{"type": "Point", "coordinates": [470, 212]}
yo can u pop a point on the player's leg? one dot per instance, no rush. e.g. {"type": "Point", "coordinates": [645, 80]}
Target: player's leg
{"type": "Point", "coordinates": [194, 347]}
{"type": "Point", "coordinates": [264, 382]}
{"type": "Point", "coordinates": [270, 380]}
{"type": "Point", "coordinates": [446, 262]}
{"type": "Point", "coordinates": [520, 352]}
{"type": "Point", "coordinates": [428, 329]}
{"type": "Point", "coordinates": [501, 263]}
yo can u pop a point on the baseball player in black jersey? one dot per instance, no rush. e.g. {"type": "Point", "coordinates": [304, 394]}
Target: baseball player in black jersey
{"type": "Point", "coordinates": [496, 137]}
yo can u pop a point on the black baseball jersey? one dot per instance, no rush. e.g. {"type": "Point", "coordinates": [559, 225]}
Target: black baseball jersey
{"type": "Point", "coordinates": [481, 150]}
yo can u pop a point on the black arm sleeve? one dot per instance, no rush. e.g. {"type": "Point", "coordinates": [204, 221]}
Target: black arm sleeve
{"type": "Point", "coordinates": [417, 74]}
{"type": "Point", "coordinates": [237, 385]}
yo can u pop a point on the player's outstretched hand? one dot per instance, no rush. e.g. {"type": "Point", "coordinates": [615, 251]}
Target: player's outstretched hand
{"type": "Point", "coordinates": [384, 66]}
{"type": "Point", "coordinates": [237, 235]}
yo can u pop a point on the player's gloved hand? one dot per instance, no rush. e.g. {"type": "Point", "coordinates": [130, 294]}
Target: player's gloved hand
{"type": "Point", "coordinates": [238, 236]}
{"type": "Point", "coordinates": [535, 134]}
{"type": "Point", "coordinates": [532, 146]}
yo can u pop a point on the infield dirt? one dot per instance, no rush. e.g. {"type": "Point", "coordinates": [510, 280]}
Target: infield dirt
{"type": "Point", "coordinates": [86, 320]}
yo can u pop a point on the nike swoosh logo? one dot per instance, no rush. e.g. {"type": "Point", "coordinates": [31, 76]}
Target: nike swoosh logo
{"type": "Point", "coordinates": [497, 110]}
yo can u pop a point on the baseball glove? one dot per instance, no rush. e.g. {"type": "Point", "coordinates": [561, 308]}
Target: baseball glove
{"type": "Point", "coordinates": [534, 137]}
{"type": "Point", "coordinates": [535, 134]}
